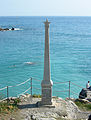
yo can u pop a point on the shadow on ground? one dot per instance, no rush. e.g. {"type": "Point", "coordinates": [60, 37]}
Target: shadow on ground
{"type": "Point", "coordinates": [27, 106]}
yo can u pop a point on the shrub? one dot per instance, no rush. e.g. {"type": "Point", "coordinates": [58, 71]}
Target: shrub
{"type": "Point", "coordinates": [36, 96]}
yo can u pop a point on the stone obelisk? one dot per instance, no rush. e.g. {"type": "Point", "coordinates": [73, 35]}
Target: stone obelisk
{"type": "Point", "coordinates": [46, 82]}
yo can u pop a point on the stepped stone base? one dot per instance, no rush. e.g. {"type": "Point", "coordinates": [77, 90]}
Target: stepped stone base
{"type": "Point", "coordinates": [40, 104]}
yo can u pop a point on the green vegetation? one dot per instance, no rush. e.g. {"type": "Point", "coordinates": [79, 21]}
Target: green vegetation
{"type": "Point", "coordinates": [83, 105]}
{"type": "Point", "coordinates": [10, 106]}
{"type": "Point", "coordinates": [36, 96]}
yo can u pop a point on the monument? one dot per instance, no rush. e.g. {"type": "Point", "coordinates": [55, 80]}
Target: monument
{"type": "Point", "coordinates": [46, 83]}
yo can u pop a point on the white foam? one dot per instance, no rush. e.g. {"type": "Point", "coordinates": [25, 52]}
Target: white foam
{"type": "Point", "coordinates": [15, 29]}
{"type": "Point", "coordinates": [29, 63]}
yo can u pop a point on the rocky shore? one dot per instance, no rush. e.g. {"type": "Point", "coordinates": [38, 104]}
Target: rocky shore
{"type": "Point", "coordinates": [64, 109]}
{"type": "Point", "coordinates": [6, 29]}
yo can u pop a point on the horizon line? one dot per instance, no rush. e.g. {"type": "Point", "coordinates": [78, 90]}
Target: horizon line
{"type": "Point", "coordinates": [44, 16]}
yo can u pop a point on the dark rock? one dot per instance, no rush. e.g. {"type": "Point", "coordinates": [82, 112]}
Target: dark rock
{"type": "Point", "coordinates": [89, 118]}
{"type": "Point", "coordinates": [83, 93]}
{"type": "Point", "coordinates": [1, 29]}
{"type": "Point", "coordinates": [6, 29]}
{"type": "Point", "coordinates": [12, 28]}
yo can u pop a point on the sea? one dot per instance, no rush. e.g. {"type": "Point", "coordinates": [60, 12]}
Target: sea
{"type": "Point", "coordinates": [22, 54]}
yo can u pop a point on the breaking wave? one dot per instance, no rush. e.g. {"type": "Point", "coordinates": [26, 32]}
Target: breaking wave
{"type": "Point", "coordinates": [16, 29]}
{"type": "Point", "coordinates": [29, 63]}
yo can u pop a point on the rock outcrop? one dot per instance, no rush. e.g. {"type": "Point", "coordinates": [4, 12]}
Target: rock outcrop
{"type": "Point", "coordinates": [12, 28]}
{"type": "Point", "coordinates": [6, 29]}
{"type": "Point", "coordinates": [64, 109]}
{"type": "Point", "coordinates": [85, 94]}
{"type": "Point", "coordinates": [1, 29]}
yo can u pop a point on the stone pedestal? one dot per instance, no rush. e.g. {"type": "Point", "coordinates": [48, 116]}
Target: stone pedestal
{"type": "Point", "coordinates": [46, 93]}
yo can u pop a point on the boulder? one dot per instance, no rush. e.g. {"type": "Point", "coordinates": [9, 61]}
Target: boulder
{"type": "Point", "coordinates": [6, 29]}
{"type": "Point", "coordinates": [12, 28]}
{"type": "Point", "coordinates": [89, 118]}
{"type": "Point", "coordinates": [85, 94]}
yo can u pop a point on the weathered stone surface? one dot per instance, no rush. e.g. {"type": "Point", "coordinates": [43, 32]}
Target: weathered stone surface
{"type": "Point", "coordinates": [63, 109]}
{"type": "Point", "coordinates": [46, 119]}
{"type": "Point", "coordinates": [88, 94]}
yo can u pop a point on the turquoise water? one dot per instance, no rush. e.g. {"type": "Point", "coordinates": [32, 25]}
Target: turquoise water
{"type": "Point", "coordinates": [70, 52]}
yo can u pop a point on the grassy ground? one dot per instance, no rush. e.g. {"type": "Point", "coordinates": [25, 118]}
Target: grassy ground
{"type": "Point", "coordinates": [9, 109]}
{"type": "Point", "coordinates": [83, 105]}
{"type": "Point", "coordinates": [9, 106]}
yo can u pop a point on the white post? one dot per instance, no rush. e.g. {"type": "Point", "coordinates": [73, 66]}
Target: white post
{"type": "Point", "coordinates": [46, 82]}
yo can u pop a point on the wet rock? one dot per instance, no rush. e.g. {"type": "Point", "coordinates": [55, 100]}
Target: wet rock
{"type": "Point", "coordinates": [6, 29]}
{"type": "Point", "coordinates": [12, 28]}
{"type": "Point", "coordinates": [1, 29]}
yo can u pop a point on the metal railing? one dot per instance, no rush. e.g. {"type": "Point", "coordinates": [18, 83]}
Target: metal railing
{"type": "Point", "coordinates": [69, 89]}
{"type": "Point", "coordinates": [35, 87]}
{"type": "Point", "coordinates": [18, 85]}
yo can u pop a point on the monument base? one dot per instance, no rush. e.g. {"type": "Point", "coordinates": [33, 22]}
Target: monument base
{"type": "Point", "coordinates": [39, 104]}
